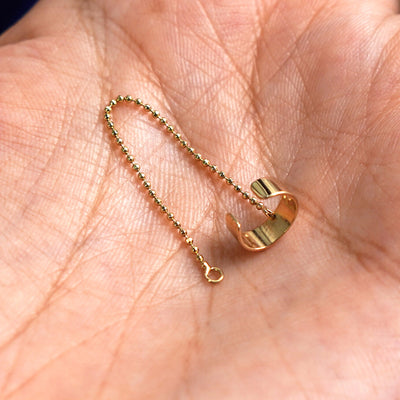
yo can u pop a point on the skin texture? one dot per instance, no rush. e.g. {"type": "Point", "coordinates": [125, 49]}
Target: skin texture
{"type": "Point", "coordinates": [101, 299]}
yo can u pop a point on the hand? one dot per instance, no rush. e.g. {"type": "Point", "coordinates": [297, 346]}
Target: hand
{"type": "Point", "coordinates": [101, 299]}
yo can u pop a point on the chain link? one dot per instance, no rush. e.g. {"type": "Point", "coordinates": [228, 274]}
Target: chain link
{"type": "Point", "coordinates": [212, 274]}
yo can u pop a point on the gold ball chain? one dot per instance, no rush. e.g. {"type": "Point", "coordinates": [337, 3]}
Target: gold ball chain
{"type": "Point", "coordinates": [212, 274]}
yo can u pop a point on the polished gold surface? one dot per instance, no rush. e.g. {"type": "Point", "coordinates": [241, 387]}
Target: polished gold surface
{"type": "Point", "coordinates": [277, 222]}
{"type": "Point", "coordinates": [275, 225]}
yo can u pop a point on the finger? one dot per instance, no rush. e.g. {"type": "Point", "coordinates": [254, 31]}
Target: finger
{"type": "Point", "coordinates": [18, 31]}
{"type": "Point", "coordinates": [45, 17]}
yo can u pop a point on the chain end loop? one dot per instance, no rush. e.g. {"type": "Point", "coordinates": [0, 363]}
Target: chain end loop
{"type": "Point", "coordinates": [212, 274]}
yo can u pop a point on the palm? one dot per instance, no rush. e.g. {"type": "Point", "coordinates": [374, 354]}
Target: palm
{"type": "Point", "coordinates": [99, 298]}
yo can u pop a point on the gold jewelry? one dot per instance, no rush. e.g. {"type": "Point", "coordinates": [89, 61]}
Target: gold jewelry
{"type": "Point", "coordinates": [260, 238]}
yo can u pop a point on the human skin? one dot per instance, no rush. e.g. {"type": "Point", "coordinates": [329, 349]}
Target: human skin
{"type": "Point", "coordinates": [99, 296]}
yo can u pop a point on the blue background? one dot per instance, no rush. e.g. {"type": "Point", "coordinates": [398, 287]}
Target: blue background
{"type": "Point", "coordinates": [12, 11]}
